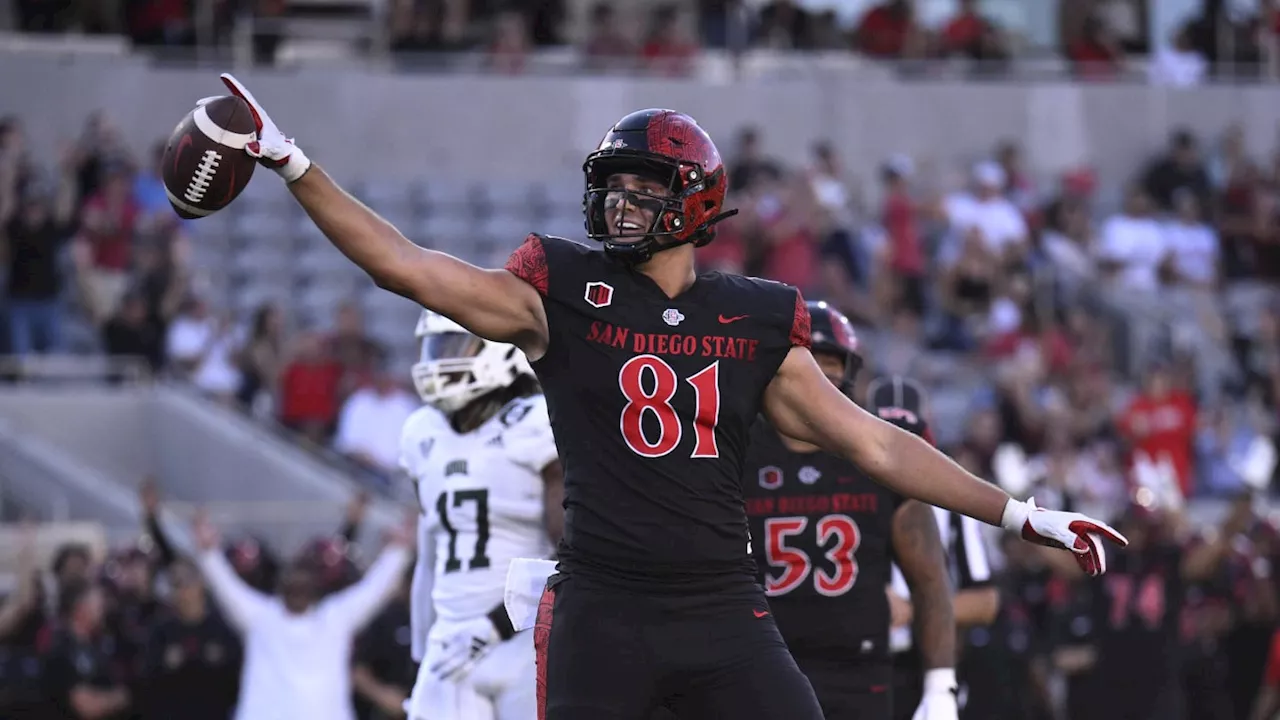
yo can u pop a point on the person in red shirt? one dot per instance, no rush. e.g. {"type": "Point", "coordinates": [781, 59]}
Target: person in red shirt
{"type": "Point", "coordinates": [104, 250]}
{"type": "Point", "coordinates": [885, 29]}
{"type": "Point", "coordinates": [1160, 425]}
{"type": "Point", "coordinates": [963, 33]}
{"type": "Point", "coordinates": [665, 49]}
{"type": "Point", "coordinates": [1095, 54]}
{"type": "Point", "coordinates": [898, 217]}
{"type": "Point", "coordinates": [309, 390]}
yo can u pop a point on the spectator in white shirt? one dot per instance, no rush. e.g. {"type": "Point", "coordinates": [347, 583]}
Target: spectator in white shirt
{"type": "Point", "coordinates": [1178, 64]}
{"type": "Point", "coordinates": [1132, 246]}
{"type": "Point", "coordinates": [370, 421]}
{"type": "Point", "coordinates": [297, 660]}
{"type": "Point", "coordinates": [1192, 244]}
{"type": "Point", "coordinates": [201, 347]}
{"type": "Point", "coordinates": [1003, 228]}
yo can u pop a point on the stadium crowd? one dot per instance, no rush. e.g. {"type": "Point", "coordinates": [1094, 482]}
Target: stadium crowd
{"type": "Point", "coordinates": [1096, 37]}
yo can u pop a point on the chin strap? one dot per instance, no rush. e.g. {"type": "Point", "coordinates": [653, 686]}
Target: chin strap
{"type": "Point", "coordinates": [644, 250]}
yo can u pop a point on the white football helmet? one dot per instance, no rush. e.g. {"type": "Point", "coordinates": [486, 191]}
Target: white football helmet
{"type": "Point", "coordinates": [456, 367]}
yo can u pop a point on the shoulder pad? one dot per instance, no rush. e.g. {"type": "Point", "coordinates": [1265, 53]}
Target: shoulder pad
{"type": "Point", "coordinates": [526, 432]}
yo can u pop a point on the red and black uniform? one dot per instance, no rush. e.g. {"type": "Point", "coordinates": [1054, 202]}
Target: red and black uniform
{"type": "Point", "coordinates": [651, 401]}
{"type": "Point", "coordinates": [1138, 613]}
{"type": "Point", "coordinates": [821, 534]}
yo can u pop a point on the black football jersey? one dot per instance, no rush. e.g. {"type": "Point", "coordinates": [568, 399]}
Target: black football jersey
{"type": "Point", "coordinates": [821, 534]}
{"type": "Point", "coordinates": [651, 401]}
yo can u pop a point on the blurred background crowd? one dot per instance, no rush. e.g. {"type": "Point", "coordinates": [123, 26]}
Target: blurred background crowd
{"type": "Point", "coordinates": [1097, 39]}
{"type": "Point", "coordinates": [1116, 353]}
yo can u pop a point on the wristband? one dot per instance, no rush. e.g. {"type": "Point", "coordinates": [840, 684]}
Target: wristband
{"type": "Point", "coordinates": [940, 680]}
{"type": "Point", "coordinates": [1015, 515]}
{"type": "Point", "coordinates": [501, 622]}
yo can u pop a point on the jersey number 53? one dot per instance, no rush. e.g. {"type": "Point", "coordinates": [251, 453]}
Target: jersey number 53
{"type": "Point", "coordinates": [840, 531]}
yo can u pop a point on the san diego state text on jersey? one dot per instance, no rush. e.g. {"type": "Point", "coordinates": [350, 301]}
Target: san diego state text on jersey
{"type": "Point", "coordinates": [651, 400]}
{"type": "Point", "coordinates": [821, 533]}
{"type": "Point", "coordinates": [481, 495]}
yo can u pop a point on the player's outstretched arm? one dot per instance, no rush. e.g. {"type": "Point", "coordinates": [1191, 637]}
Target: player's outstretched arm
{"type": "Point", "coordinates": [923, 560]}
{"type": "Point", "coordinates": [804, 405]}
{"type": "Point", "coordinates": [493, 304]}
{"type": "Point", "coordinates": [920, 554]}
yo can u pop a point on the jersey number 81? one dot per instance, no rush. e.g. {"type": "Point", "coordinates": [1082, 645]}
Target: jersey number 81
{"type": "Point", "coordinates": [649, 384]}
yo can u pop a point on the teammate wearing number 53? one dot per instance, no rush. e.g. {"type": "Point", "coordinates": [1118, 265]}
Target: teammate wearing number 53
{"type": "Point", "coordinates": [825, 537]}
{"type": "Point", "coordinates": [653, 375]}
{"type": "Point", "coordinates": [484, 466]}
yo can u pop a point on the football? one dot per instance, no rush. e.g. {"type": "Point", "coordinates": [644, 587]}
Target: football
{"type": "Point", "coordinates": [205, 166]}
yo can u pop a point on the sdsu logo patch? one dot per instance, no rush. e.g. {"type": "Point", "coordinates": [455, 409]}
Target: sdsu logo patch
{"type": "Point", "coordinates": [599, 294]}
{"type": "Point", "coordinates": [809, 474]}
{"type": "Point", "coordinates": [672, 317]}
{"type": "Point", "coordinates": [770, 478]}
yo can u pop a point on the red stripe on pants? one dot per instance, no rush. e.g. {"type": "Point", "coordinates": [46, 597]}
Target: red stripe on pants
{"type": "Point", "coordinates": [542, 638]}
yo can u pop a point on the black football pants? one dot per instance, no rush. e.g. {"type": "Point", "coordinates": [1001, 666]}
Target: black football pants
{"type": "Point", "coordinates": [611, 654]}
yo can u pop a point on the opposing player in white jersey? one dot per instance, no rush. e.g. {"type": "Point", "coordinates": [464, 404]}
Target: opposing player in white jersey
{"type": "Point", "coordinates": [490, 486]}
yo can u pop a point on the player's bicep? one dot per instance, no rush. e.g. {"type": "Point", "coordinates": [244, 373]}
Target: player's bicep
{"type": "Point", "coordinates": [917, 545]}
{"type": "Point", "coordinates": [494, 304]}
{"type": "Point", "coordinates": [803, 404]}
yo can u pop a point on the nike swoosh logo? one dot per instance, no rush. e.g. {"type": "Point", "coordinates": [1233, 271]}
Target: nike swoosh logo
{"type": "Point", "coordinates": [726, 320]}
{"type": "Point", "coordinates": [759, 613]}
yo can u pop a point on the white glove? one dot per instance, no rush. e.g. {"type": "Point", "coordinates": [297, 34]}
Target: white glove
{"type": "Point", "coordinates": [939, 699]}
{"type": "Point", "coordinates": [272, 148]}
{"type": "Point", "coordinates": [456, 653]}
{"type": "Point", "coordinates": [1068, 531]}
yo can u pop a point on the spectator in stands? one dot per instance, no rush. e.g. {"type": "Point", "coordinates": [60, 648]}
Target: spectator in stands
{"type": "Point", "coordinates": [607, 47]}
{"type": "Point", "coordinates": [1160, 425]}
{"type": "Point", "coordinates": [193, 659]}
{"type": "Point", "coordinates": [262, 360]}
{"type": "Point", "coordinates": [31, 238]}
{"type": "Point", "coordinates": [23, 622]}
{"type": "Point", "coordinates": [1001, 226]}
{"type": "Point", "coordinates": [104, 249]}
{"type": "Point", "coordinates": [381, 677]}
{"type": "Point", "coordinates": [1096, 54]}
{"type": "Point", "coordinates": [749, 161]}
{"type": "Point", "coordinates": [782, 25]}
{"type": "Point", "coordinates": [1178, 63]}
{"type": "Point", "coordinates": [510, 46]}
{"type": "Point", "coordinates": [1181, 167]}
{"type": "Point", "coordinates": [666, 49]}
{"type": "Point", "coordinates": [159, 22]}
{"type": "Point", "coordinates": [1132, 246]}
{"type": "Point", "coordinates": [309, 390]}
{"type": "Point", "coordinates": [352, 347]}
{"type": "Point", "coordinates": [78, 676]}
{"type": "Point", "coordinates": [131, 333]}
{"type": "Point", "coordinates": [1191, 243]}
{"type": "Point", "coordinates": [1067, 241]}
{"type": "Point", "coordinates": [889, 30]}
{"type": "Point", "coordinates": [970, 34]}
{"type": "Point", "coordinates": [200, 346]}
{"type": "Point", "coordinates": [904, 243]}
{"type": "Point", "coordinates": [369, 425]}
{"type": "Point", "coordinates": [297, 646]}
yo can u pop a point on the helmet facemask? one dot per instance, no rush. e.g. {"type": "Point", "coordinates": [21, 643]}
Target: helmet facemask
{"type": "Point", "coordinates": [456, 368]}
{"type": "Point", "coordinates": [667, 211]}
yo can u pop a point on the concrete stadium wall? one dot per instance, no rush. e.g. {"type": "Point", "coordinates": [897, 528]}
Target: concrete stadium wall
{"type": "Point", "coordinates": [358, 122]}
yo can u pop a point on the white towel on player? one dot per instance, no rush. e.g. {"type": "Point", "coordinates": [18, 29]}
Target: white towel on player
{"type": "Point", "coordinates": [526, 579]}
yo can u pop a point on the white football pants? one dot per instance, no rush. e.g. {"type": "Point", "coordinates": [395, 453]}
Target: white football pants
{"type": "Point", "coordinates": [501, 686]}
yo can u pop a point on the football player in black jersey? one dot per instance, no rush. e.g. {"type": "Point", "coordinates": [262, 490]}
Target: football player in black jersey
{"type": "Point", "coordinates": [653, 375]}
{"type": "Point", "coordinates": [825, 535]}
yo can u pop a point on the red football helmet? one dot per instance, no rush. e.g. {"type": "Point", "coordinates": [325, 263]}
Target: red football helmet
{"type": "Point", "coordinates": [669, 148]}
